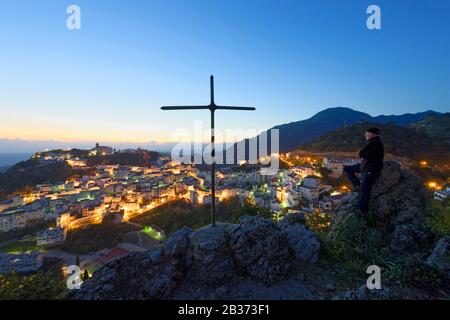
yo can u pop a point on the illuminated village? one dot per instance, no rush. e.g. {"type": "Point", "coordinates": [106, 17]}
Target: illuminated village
{"type": "Point", "coordinates": [126, 192]}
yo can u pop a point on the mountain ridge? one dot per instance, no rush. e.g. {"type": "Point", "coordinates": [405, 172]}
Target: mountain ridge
{"type": "Point", "coordinates": [294, 134]}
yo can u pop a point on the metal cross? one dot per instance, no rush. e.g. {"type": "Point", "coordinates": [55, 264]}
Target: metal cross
{"type": "Point", "coordinates": [212, 107]}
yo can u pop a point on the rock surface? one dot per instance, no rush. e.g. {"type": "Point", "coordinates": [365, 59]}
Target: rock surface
{"type": "Point", "coordinates": [302, 242]}
{"type": "Point", "coordinates": [396, 214]}
{"type": "Point", "coordinates": [260, 249]}
{"type": "Point", "coordinates": [209, 263]}
{"type": "Point", "coordinates": [440, 257]}
{"type": "Point", "coordinates": [363, 293]}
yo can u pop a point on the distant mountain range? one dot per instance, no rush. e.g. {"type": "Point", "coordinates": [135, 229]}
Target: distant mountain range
{"type": "Point", "coordinates": [295, 134]}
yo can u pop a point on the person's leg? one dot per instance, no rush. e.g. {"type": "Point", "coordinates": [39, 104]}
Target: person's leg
{"type": "Point", "coordinates": [366, 186]}
{"type": "Point", "coordinates": [350, 172]}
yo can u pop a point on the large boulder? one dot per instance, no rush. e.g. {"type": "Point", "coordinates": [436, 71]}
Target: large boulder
{"type": "Point", "coordinates": [440, 257]}
{"type": "Point", "coordinates": [396, 217]}
{"type": "Point", "coordinates": [135, 276]}
{"type": "Point", "coordinates": [260, 249]}
{"type": "Point", "coordinates": [396, 190]}
{"type": "Point", "coordinates": [209, 260]}
{"type": "Point", "coordinates": [302, 242]}
{"type": "Point", "coordinates": [176, 245]}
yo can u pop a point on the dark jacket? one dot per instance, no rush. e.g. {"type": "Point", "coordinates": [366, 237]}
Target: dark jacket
{"type": "Point", "coordinates": [372, 155]}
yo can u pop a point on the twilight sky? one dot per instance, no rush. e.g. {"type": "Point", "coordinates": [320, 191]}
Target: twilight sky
{"type": "Point", "coordinates": [289, 59]}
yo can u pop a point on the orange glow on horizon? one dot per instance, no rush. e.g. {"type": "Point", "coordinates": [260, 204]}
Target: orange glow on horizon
{"type": "Point", "coordinates": [38, 129]}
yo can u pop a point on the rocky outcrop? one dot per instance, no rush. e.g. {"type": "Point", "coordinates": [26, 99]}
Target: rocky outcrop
{"type": "Point", "coordinates": [144, 275]}
{"type": "Point", "coordinates": [303, 243]}
{"type": "Point", "coordinates": [209, 260]}
{"type": "Point", "coordinates": [396, 215]}
{"type": "Point", "coordinates": [206, 260]}
{"type": "Point", "coordinates": [260, 249]}
{"type": "Point", "coordinates": [440, 257]}
{"type": "Point", "coordinates": [363, 293]}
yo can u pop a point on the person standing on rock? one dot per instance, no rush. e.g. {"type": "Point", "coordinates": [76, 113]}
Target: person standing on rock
{"type": "Point", "coordinates": [372, 155]}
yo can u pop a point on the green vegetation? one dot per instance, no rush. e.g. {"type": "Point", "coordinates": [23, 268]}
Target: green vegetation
{"type": "Point", "coordinates": [95, 237]}
{"type": "Point", "coordinates": [40, 285]}
{"type": "Point", "coordinates": [357, 246]}
{"type": "Point", "coordinates": [319, 222]}
{"type": "Point", "coordinates": [413, 272]}
{"type": "Point", "coordinates": [438, 217]}
{"type": "Point", "coordinates": [436, 126]}
{"type": "Point", "coordinates": [160, 236]}
{"type": "Point", "coordinates": [19, 247]}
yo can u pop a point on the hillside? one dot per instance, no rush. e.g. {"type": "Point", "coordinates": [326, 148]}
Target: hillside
{"type": "Point", "coordinates": [4, 169]}
{"type": "Point", "coordinates": [399, 141]}
{"type": "Point", "coordinates": [29, 173]}
{"type": "Point", "coordinates": [295, 134]}
{"type": "Point", "coordinates": [435, 126]}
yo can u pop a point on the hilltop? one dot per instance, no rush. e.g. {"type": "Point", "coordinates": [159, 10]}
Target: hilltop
{"type": "Point", "coordinates": [27, 174]}
{"type": "Point", "coordinates": [58, 165]}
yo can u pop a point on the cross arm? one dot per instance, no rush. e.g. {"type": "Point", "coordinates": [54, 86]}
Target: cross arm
{"type": "Point", "coordinates": [235, 108]}
{"type": "Point", "coordinates": [184, 107]}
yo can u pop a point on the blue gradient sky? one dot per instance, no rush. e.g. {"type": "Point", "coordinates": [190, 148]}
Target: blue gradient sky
{"type": "Point", "coordinates": [289, 59]}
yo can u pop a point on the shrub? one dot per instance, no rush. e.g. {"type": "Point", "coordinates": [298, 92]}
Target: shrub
{"type": "Point", "coordinates": [438, 217]}
{"type": "Point", "coordinates": [37, 286]}
{"type": "Point", "coordinates": [319, 222]}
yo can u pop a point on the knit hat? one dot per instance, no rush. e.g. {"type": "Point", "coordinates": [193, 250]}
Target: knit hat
{"type": "Point", "coordinates": [374, 130]}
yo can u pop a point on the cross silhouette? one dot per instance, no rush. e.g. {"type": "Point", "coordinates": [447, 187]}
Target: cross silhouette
{"type": "Point", "coordinates": [212, 107]}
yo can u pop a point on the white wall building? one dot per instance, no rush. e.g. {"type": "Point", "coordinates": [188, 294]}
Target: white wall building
{"type": "Point", "coordinates": [304, 171]}
{"type": "Point", "coordinates": [310, 194]}
{"type": "Point", "coordinates": [441, 195]}
{"type": "Point", "coordinates": [336, 165]}
{"type": "Point", "coordinates": [51, 236]}
{"type": "Point", "coordinates": [12, 220]}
